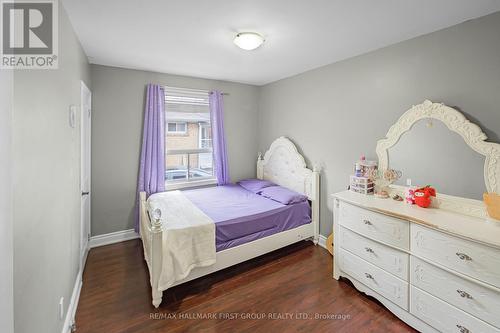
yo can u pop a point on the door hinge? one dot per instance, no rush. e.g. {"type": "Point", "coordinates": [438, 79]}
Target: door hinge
{"type": "Point", "coordinates": [72, 328]}
{"type": "Point", "coordinates": [88, 237]}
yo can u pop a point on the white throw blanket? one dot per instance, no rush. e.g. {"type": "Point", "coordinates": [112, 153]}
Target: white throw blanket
{"type": "Point", "coordinates": [188, 236]}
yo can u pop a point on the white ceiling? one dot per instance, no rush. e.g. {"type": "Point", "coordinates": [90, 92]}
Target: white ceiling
{"type": "Point", "coordinates": [195, 37]}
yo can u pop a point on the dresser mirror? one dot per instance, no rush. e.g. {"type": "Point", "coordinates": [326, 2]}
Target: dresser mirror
{"type": "Point", "coordinates": [434, 144]}
{"type": "Point", "coordinates": [430, 154]}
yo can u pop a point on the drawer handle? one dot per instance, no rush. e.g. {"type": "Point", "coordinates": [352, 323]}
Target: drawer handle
{"type": "Point", "coordinates": [369, 250]}
{"type": "Point", "coordinates": [464, 294]}
{"type": "Point", "coordinates": [367, 222]}
{"type": "Point", "coordinates": [463, 256]}
{"type": "Point", "coordinates": [368, 276]}
{"type": "Point", "coordinates": [463, 329]}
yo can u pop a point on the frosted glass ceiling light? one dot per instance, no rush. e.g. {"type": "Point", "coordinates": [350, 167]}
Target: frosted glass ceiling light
{"type": "Point", "coordinates": [248, 40]}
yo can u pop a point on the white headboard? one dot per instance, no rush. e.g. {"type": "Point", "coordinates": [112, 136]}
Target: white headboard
{"type": "Point", "coordinates": [282, 164]}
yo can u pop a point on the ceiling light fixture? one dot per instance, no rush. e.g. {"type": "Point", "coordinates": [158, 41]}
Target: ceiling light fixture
{"type": "Point", "coordinates": [248, 40]}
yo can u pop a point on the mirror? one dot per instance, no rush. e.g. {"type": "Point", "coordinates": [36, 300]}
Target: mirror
{"type": "Point", "coordinates": [434, 144]}
{"type": "Point", "coordinates": [430, 154]}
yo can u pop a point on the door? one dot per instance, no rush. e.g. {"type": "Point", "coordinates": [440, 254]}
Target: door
{"type": "Point", "coordinates": [85, 127]}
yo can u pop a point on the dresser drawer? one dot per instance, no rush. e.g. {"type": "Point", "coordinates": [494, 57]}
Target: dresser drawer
{"type": "Point", "coordinates": [471, 297]}
{"type": "Point", "coordinates": [472, 259]}
{"type": "Point", "coordinates": [387, 285]}
{"type": "Point", "coordinates": [444, 317]}
{"type": "Point", "coordinates": [393, 261]}
{"type": "Point", "coordinates": [383, 228]}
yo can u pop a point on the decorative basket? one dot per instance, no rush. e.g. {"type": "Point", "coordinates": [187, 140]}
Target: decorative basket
{"type": "Point", "coordinates": [492, 201]}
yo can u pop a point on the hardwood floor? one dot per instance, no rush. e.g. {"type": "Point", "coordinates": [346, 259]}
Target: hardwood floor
{"type": "Point", "coordinates": [282, 291]}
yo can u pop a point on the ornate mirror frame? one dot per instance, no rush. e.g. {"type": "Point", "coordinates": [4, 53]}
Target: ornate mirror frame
{"type": "Point", "coordinates": [473, 136]}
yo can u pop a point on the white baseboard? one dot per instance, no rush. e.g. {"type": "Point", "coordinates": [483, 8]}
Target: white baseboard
{"type": "Point", "coordinates": [111, 238]}
{"type": "Point", "coordinates": [73, 304]}
{"type": "Point", "coordinates": [322, 241]}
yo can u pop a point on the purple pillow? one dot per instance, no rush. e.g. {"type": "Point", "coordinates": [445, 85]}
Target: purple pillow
{"type": "Point", "coordinates": [282, 195]}
{"type": "Point", "coordinates": [255, 185]}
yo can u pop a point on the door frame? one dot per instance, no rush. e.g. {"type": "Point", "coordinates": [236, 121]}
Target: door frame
{"type": "Point", "coordinates": [84, 244]}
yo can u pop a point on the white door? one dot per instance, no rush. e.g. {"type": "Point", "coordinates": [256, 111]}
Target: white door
{"type": "Point", "coordinates": [85, 123]}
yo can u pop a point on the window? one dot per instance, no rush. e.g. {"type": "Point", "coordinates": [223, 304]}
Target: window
{"type": "Point", "coordinates": [205, 136]}
{"type": "Point", "coordinates": [188, 138]}
{"type": "Point", "coordinates": [177, 128]}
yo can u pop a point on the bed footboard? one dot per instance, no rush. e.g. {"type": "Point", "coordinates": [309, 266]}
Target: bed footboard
{"type": "Point", "coordinates": [151, 230]}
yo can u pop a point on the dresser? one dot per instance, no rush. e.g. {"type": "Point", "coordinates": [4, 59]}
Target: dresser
{"type": "Point", "coordinates": [437, 270]}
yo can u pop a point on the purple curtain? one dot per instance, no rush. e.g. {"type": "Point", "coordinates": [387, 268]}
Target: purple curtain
{"type": "Point", "coordinates": [221, 167]}
{"type": "Point", "coordinates": [152, 164]}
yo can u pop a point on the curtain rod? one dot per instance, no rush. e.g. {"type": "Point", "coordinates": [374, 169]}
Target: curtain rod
{"type": "Point", "coordinates": [194, 90]}
{"type": "Point", "coordinates": [223, 93]}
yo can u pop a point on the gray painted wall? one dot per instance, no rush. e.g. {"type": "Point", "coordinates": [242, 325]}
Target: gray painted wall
{"type": "Point", "coordinates": [46, 175]}
{"type": "Point", "coordinates": [118, 108]}
{"type": "Point", "coordinates": [6, 235]}
{"type": "Point", "coordinates": [338, 112]}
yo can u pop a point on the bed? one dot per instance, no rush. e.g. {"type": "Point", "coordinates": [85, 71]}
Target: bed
{"type": "Point", "coordinates": [247, 224]}
{"type": "Point", "coordinates": [242, 216]}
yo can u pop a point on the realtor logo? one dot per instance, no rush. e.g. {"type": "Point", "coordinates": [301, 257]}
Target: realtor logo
{"type": "Point", "coordinates": [29, 38]}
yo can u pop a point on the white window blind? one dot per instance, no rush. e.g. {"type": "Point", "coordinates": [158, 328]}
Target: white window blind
{"type": "Point", "coordinates": [184, 96]}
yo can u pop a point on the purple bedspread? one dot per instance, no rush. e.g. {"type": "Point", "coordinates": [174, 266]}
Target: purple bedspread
{"type": "Point", "coordinates": [241, 216]}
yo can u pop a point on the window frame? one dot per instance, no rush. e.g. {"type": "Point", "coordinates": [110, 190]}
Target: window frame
{"type": "Point", "coordinates": [177, 123]}
{"type": "Point", "coordinates": [172, 184]}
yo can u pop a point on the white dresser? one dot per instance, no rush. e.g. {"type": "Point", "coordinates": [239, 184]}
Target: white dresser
{"type": "Point", "coordinates": [436, 270]}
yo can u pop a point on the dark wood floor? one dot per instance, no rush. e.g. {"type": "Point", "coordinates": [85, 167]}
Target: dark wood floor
{"type": "Point", "coordinates": [287, 288]}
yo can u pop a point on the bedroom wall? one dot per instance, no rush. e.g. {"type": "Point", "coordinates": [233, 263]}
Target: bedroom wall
{"type": "Point", "coordinates": [118, 107]}
{"type": "Point", "coordinates": [46, 174]}
{"type": "Point", "coordinates": [6, 234]}
{"type": "Point", "coordinates": [337, 112]}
